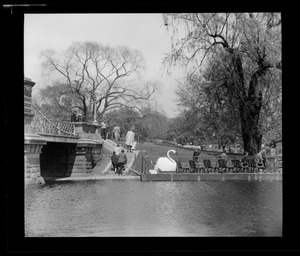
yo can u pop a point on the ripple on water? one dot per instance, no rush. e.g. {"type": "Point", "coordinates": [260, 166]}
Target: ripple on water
{"type": "Point", "coordinates": [134, 208]}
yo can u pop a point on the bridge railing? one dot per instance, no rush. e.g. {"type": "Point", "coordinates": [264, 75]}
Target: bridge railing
{"type": "Point", "coordinates": [42, 125]}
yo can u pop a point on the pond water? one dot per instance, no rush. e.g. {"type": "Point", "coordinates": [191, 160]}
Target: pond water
{"type": "Point", "coordinates": [134, 208]}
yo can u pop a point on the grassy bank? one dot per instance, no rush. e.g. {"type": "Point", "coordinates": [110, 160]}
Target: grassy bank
{"type": "Point", "coordinates": [154, 151]}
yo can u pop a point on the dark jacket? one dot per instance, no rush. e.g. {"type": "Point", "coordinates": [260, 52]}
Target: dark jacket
{"type": "Point", "coordinates": [122, 158]}
{"type": "Point", "coordinates": [74, 117]}
{"type": "Point", "coordinates": [195, 155]}
{"type": "Point", "coordinates": [114, 159]}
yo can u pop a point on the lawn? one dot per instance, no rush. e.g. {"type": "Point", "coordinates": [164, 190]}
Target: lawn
{"type": "Point", "coordinates": [154, 151]}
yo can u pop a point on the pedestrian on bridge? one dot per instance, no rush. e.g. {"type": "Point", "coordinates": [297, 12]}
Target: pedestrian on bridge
{"type": "Point", "coordinates": [103, 127]}
{"type": "Point", "coordinates": [74, 116]}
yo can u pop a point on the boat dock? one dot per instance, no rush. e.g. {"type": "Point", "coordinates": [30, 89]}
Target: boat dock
{"type": "Point", "coordinates": [212, 177]}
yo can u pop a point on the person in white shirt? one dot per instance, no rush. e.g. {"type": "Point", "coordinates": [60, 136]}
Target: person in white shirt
{"type": "Point", "coordinates": [117, 149]}
{"type": "Point", "coordinates": [116, 132]}
{"type": "Point", "coordinates": [129, 140]}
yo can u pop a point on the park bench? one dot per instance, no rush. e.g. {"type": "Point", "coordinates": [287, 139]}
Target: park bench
{"type": "Point", "coordinates": [207, 166]}
{"type": "Point", "coordinates": [274, 165]}
{"type": "Point", "coordinates": [270, 166]}
{"type": "Point", "coordinates": [260, 167]}
{"type": "Point", "coordinates": [195, 166]}
{"type": "Point", "coordinates": [279, 164]}
{"type": "Point", "coordinates": [251, 164]}
{"type": "Point", "coordinates": [199, 167]}
{"type": "Point", "coordinates": [237, 165]}
{"type": "Point", "coordinates": [184, 167]}
{"type": "Point", "coordinates": [222, 166]}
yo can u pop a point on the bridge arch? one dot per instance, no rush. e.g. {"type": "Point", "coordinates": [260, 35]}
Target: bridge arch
{"type": "Point", "coordinates": [57, 159]}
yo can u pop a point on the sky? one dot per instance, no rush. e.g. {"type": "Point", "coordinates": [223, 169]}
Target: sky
{"type": "Point", "coordinates": [144, 32]}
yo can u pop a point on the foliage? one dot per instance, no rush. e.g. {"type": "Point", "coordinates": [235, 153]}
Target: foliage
{"type": "Point", "coordinates": [235, 52]}
{"type": "Point", "coordinates": [55, 102]}
{"type": "Point", "coordinates": [151, 124]}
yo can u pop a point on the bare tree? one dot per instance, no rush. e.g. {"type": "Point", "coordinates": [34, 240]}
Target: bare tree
{"type": "Point", "coordinates": [98, 76]}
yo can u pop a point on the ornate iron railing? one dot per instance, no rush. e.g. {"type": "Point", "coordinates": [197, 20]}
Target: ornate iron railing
{"type": "Point", "coordinates": [42, 125]}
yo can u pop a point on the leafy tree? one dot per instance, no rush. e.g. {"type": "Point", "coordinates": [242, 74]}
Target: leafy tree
{"type": "Point", "coordinates": [251, 43]}
{"type": "Point", "coordinates": [148, 124]}
{"type": "Point", "coordinates": [55, 102]}
{"type": "Point", "coordinates": [156, 123]}
{"type": "Point", "coordinates": [213, 113]}
{"type": "Point", "coordinates": [97, 76]}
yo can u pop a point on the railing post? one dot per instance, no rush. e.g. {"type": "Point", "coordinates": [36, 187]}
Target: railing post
{"type": "Point", "coordinates": [59, 128]}
{"type": "Point", "coordinates": [142, 164]}
{"type": "Point", "coordinates": [74, 130]}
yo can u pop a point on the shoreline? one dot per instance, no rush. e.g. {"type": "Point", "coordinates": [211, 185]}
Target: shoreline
{"type": "Point", "coordinates": [104, 177]}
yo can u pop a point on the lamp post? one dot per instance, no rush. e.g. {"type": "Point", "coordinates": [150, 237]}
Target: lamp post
{"type": "Point", "coordinates": [94, 106]}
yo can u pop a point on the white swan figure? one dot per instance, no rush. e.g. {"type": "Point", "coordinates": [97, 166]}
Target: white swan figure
{"type": "Point", "coordinates": [165, 164]}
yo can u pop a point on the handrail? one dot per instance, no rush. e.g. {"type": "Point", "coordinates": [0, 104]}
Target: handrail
{"type": "Point", "coordinates": [43, 125]}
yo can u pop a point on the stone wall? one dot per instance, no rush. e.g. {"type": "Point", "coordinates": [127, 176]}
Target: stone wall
{"type": "Point", "coordinates": [83, 129]}
{"type": "Point", "coordinates": [66, 159]}
{"type": "Point", "coordinates": [28, 111]}
{"type": "Point", "coordinates": [33, 145]}
{"type": "Point", "coordinates": [51, 157]}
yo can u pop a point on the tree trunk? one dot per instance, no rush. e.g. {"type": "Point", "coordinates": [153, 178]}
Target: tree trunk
{"type": "Point", "coordinates": [250, 133]}
{"type": "Point", "coordinates": [84, 110]}
{"type": "Point", "coordinates": [249, 103]}
{"type": "Point", "coordinates": [249, 112]}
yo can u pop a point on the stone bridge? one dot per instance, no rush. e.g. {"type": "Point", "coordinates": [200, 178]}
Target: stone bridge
{"type": "Point", "coordinates": [54, 148]}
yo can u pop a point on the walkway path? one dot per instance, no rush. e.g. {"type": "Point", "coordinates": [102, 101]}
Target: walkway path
{"type": "Point", "coordinates": [103, 169]}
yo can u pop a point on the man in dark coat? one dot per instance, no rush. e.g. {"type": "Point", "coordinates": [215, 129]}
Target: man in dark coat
{"type": "Point", "coordinates": [114, 161]}
{"type": "Point", "coordinates": [122, 159]}
{"type": "Point", "coordinates": [74, 116]}
{"type": "Point", "coordinates": [195, 155]}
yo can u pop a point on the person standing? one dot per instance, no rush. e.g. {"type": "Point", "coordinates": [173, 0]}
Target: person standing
{"type": "Point", "coordinates": [129, 140]}
{"type": "Point", "coordinates": [261, 157]}
{"type": "Point", "coordinates": [116, 132]}
{"type": "Point", "coordinates": [103, 127]}
{"type": "Point", "coordinates": [79, 118]}
{"type": "Point", "coordinates": [74, 116]}
{"type": "Point", "coordinates": [114, 161]}
{"type": "Point", "coordinates": [224, 156]}
{"type": "Point", "coordinates": [196, 155]}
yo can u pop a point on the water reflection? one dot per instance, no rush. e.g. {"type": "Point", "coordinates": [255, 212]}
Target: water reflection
{"type": "Point", "coordinates": [134, 208]}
